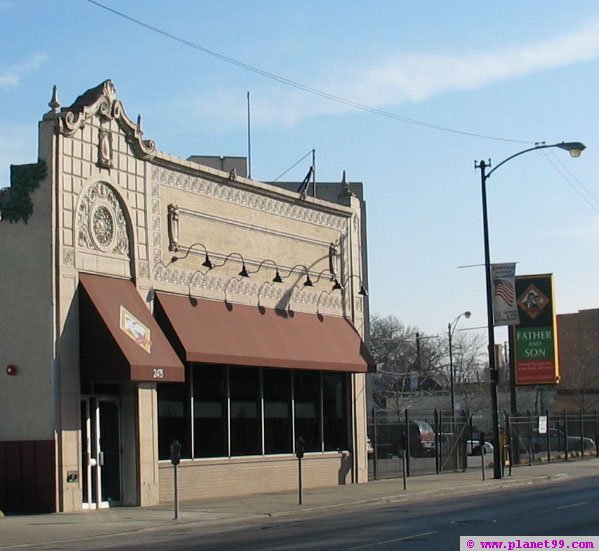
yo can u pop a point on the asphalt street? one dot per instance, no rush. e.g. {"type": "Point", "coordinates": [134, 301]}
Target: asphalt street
{"type": "Point", "coordinates": [562, 508]}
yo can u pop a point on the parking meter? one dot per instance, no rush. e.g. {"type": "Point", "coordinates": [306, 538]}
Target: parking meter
{"type": "Point", "coordinates": [175, 460]}
{"type": "Point", "coordinates": [403, 444]}
{"type": "Point", "coordinates": [175, 452]}
{"type": "Point", "coordinates": [403, 441]}
{"type": "Point", "coordinates": [481, 442]}
{"type": "Point", "coordinates": [300, 447]}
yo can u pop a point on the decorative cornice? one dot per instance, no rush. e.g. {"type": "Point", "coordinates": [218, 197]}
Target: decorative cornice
{"type": "Point", "coordinates": [101, 101]}
{"type": "Point", "coordinates": [191, 281]}
{"type": "Point", "coordinates": [248, 198]}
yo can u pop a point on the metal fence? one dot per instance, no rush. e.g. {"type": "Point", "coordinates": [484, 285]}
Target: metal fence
{"type": "Point", "coordinates": [565, 437]}
{"type": "Point", "coordinates": [428, 442]}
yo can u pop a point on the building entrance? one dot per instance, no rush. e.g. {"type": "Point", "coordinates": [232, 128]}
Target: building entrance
{"type": "Point", "coordinates": [101, 451]}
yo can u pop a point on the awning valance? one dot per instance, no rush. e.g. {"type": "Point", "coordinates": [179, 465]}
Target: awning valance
{"type": "Point", "coordinates": [119, 338]}
{"type": "Point", "coordinates": [215, 332]}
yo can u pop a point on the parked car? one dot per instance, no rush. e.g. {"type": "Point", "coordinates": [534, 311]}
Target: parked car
{"type": "Point", "coordinates": [557, 439]}
{"type": "Point", "coordinates": [473, 447]}
{"type": "Point", "coordinates": [392, 439]}
{"type": "Point", "coordinates": [422, 439]}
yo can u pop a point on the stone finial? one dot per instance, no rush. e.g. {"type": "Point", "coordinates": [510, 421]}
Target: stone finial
{"type": "Point", "coordinates": [54, 104]}
{"type": "Point", "coordinates": [345, 187]}
{"type": "Point", "coordinates": [139, 128]}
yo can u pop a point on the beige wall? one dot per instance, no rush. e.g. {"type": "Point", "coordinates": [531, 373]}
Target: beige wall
{"type": "Point", "coordinates": [236, 477]}
{"type": "Point", "coordinates": [26, 300]}
{"type": "Point", "coordinates": [98, 159]}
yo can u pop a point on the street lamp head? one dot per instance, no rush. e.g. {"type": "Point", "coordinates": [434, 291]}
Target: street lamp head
{"type": "Point", "coordinates": [467, 314]}
{"type": "Point", "coordinates": [574, 148]}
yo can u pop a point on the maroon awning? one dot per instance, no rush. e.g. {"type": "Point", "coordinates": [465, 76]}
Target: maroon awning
{"type": "Point", "coordinates": [215, 332]}
{"type": "Point", "coordinates": [119, 338]}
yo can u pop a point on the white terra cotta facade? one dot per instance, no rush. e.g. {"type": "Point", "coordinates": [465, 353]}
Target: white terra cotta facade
{"type": "Point", "coordinates": [108, 203]}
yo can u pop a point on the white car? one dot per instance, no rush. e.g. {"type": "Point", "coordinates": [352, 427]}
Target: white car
{"type": "Point", "coordinates": [473, 447]}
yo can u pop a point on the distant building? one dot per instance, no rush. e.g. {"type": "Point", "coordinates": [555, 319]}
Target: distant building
{"type": "Point", "coordinates": [578, 335]}
{"type": "Point", "coordinates": [149, 300]}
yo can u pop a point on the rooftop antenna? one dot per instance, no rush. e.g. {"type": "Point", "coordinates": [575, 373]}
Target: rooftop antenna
{"type": "Point", "coordinates": [249, 139]}
{"type": "Point", "coordinates": [314, 173]}
{"type": "Point", "coordinates": [305, 183]}
{"type": "Point", "coordinates": [310, 178]}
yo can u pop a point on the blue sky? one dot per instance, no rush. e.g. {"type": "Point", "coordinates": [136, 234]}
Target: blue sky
{"type": "Point", "coordinates": [519, 72]}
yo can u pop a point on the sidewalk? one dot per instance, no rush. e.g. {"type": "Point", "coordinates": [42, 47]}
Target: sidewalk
{"type": "Point", "coordinates": [17, 531]}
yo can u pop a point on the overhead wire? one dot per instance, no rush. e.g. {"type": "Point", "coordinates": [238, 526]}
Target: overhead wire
{"type": "Point", "coordinates": [300, 86]}
{"type": "Point", "coordinates": [291, 167]}
{"type": "Point", "coordinates": [582, 191]}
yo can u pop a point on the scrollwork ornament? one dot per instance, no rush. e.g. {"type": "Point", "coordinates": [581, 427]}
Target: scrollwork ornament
{"type": "Point", "coordinates": [68, 256]}
{"type": "Point", "coordinates": [101, 221]}
{"type": "Point", "coordinates": [104, 110]}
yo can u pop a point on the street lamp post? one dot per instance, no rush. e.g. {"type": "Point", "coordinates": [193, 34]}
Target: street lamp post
{"type": "Point", "coordinates": [575, 149]}
{"type": "Point", "coordinates": [450, 330]}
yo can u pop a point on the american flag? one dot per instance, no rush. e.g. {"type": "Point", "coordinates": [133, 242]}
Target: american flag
{"type": "Point", "coordinates": [505, 291]}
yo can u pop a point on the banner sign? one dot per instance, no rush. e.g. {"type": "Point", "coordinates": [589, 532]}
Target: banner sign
{"type": "Point", "coordinates": [535, 337]}
{"type": "Point", "coordinates": [503, 286]}
{"type": "Point", "coordinates": [135, 329]}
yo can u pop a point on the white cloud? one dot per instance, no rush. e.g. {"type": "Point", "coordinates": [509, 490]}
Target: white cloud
{"type": "Point", "coordinates": [418, 77]}
{"type": "Point", "coordinates": [10, 77]}
{"type": "Point", "coordinates": [414, 77]}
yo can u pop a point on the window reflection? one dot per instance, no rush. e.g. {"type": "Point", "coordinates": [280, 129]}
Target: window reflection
{"type": "Point", "coordinates": [173, 419]}
{"type": "Point", "coordinates": [233, 398]}
{"type": "Point", "coordinates": [278, 434]}
{"type": "Point", "coordinates": [210, 411]}
{"type": "Point", "coordinates": [306, 393]}
{"type": "Point", "coordinates": [246, 415]}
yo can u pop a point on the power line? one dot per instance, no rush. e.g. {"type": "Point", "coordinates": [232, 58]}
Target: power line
{"type": "Point", "coordinates": [291, 167]}
{"type": "Point", "coordinates": [572, 180]}
{"type": "Point", "coordinates": [299, 85]}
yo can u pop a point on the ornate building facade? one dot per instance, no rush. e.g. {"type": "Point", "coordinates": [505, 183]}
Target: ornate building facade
{"type": "Point", "coordinates": [149, 299]}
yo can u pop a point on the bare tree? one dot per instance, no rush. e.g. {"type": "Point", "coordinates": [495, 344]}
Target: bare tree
{"type": "Point", "coordinates": [408, 361]}
{"type": "Point", "coordinates": [470, 378]}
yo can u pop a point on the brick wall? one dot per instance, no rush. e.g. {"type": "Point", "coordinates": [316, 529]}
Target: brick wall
{"type": "Point", "coordinates": [202, 479]}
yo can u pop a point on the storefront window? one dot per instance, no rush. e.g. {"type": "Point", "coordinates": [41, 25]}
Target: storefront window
{"type": "Point", "coordinates": [210, 411]}
{"type": "Point", "coordinates": [246, 414]}
{"type": "Point", "coordinates": [334, 399]}
{"type": "Point", "coordinates": [174, 419]}
{"type": "Point", "coordinates": [319, 402]}
{"type": "Point", "coordinates": [278, 430]}
{"type": "Point", "coordinates": [306, 392]}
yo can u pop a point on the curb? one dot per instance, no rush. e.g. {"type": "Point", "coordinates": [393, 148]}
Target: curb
{"type": "Point", "coordinates": [485, 486]}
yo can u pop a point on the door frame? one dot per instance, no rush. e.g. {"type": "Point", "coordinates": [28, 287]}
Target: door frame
{"type": "Point", "coordinates": [91, 453]}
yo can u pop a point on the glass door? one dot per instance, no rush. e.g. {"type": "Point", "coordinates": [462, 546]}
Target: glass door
{"type": "Point", "coordinates": [101, 452]}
